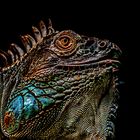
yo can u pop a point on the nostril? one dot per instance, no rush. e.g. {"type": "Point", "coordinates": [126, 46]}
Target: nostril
{"type": "Point", "coordinates": [102, 43]}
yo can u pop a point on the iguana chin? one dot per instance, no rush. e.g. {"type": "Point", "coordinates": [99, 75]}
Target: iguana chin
{"type": "Point", "coordinates": [59, 86]}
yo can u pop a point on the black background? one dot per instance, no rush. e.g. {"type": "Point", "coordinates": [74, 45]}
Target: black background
{"type": "Point", "coordinates": [113, 21]}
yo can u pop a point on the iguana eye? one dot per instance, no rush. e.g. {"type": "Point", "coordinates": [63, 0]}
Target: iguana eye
{"type": "Point", "coordinates": [64, 42]}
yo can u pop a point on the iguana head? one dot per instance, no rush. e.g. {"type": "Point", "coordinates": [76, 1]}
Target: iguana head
{"type": "Point", "coordinates": [55, 73]}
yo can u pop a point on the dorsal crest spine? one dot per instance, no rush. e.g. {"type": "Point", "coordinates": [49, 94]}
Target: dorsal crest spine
{"type": "Point", "coordinates": [16, 53]}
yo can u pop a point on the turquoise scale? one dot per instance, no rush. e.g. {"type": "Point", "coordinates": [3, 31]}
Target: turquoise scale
{"type": "Point", "coordinates": [15, 112]}
{"type": "Point", "coordinates": [25, 105]}
{"type": "Point", "coordinates": [46, 101]}
{"type": "Point", "coordinates": [30, 106]}
{"type": "Point", "coordinates": [16, 107]}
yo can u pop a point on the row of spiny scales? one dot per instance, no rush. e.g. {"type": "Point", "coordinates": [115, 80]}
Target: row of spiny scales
{"type": "Point", "coordinates": [16, 53]}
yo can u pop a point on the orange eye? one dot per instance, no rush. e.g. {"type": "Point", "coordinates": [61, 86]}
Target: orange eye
{"type": "Point", "coordinates": [64, 42]}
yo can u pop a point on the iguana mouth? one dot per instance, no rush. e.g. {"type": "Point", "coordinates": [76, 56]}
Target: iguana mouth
{"type": "Point", "coordinates": [92, 63]}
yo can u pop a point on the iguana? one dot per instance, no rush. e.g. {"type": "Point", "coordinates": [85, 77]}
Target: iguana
{"type": "Point", "coordinates": [59, 86]}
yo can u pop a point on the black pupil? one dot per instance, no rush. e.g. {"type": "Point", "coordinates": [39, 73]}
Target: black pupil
{"type": "Point", "coordinates": [65, 40]}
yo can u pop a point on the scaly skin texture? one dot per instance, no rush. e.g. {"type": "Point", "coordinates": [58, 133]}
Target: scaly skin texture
{"type": "Point", "coordinates": [64, 87]}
